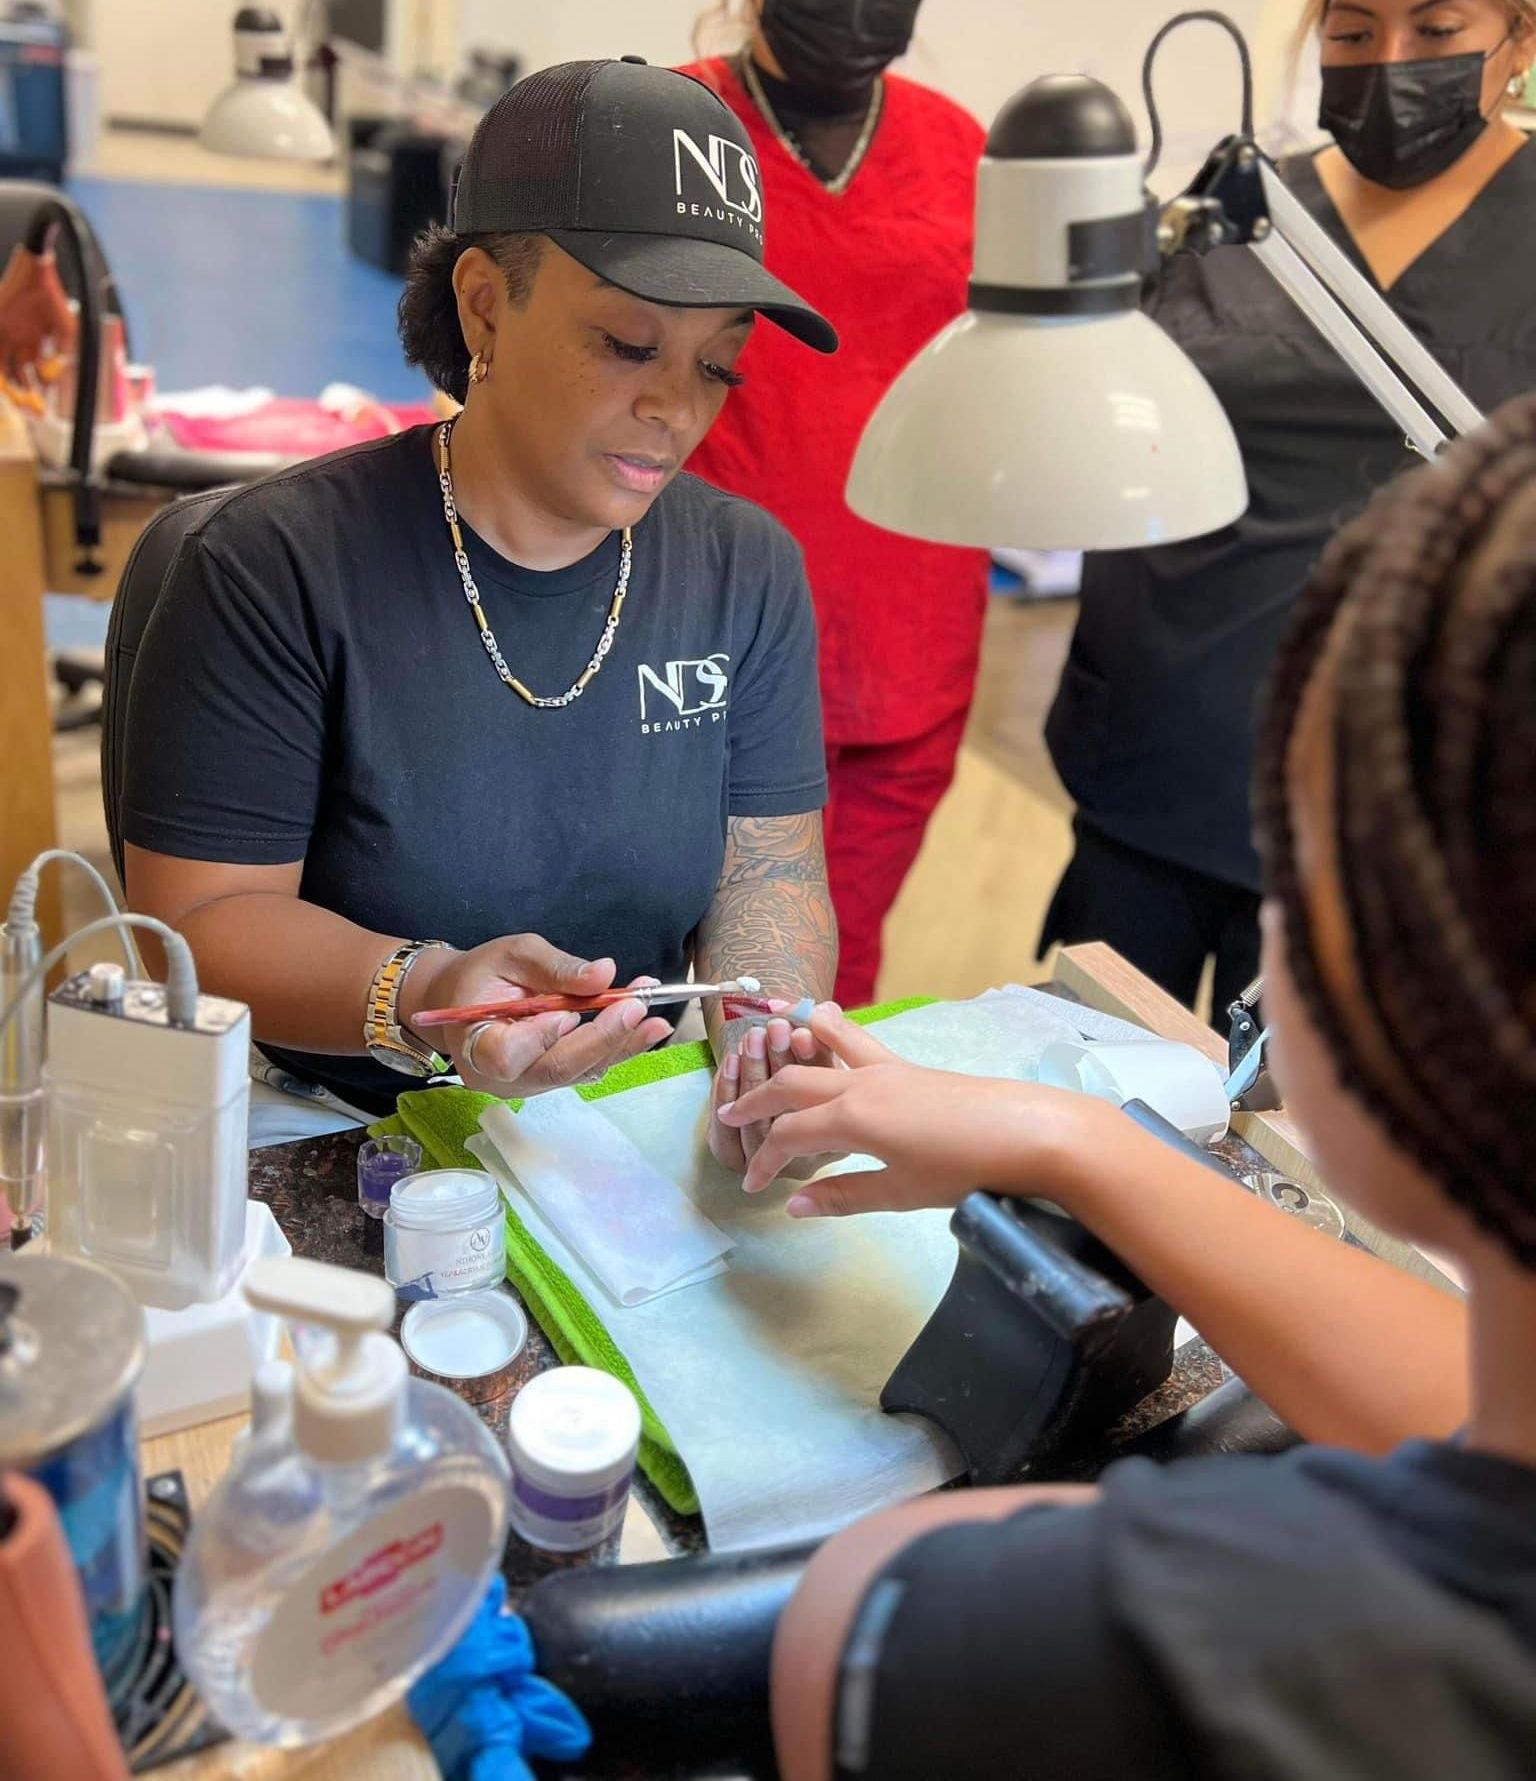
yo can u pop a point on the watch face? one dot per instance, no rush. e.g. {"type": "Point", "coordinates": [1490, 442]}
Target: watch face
{"type": "Point", "coordinates": [401, 1060]}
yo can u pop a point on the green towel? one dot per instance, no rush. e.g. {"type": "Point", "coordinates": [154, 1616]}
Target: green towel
{"type": "Point", "coordinates": [441, 1120]}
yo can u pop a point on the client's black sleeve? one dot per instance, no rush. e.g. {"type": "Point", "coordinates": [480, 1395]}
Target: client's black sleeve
{"type": "Point", "coordinates": [988, 1652]}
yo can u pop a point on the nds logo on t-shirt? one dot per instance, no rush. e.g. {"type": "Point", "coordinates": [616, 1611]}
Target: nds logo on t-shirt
{"type": "Point", "coordinates": [719, 183]}
{"type": "Point", "coordinates": [686, 696]}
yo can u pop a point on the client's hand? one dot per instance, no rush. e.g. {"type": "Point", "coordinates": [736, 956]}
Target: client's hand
{"type": "Point", "coordinates": [751, 1060]}
{"type": "Point", "coordinates": [528, 1057]}
{"type": "Point", "coordinates": [940, 1135]}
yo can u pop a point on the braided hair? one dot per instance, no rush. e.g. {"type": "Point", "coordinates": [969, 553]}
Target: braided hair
{"type": "Point", "coordinates": [1433, 738]}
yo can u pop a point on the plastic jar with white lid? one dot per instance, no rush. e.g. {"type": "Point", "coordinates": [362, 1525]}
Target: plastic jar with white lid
{"type": "Point", "coordinates": [444, 1233]}
{"type": "Point", "coordinates": [572, 1439]}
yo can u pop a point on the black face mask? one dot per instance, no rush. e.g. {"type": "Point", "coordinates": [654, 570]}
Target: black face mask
{"type": "Point", "coordinates": [1401, 123]}
{"type": "Point", "coordinates": [837, 46]}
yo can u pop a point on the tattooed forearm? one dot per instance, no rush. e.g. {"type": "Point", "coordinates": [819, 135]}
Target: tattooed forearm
{"type": "Point", "coordinates": [772, 914]}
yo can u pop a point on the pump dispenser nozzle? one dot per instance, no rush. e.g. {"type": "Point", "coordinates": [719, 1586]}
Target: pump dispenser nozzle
{"type": "Point", "coordinates": [349, 1391]}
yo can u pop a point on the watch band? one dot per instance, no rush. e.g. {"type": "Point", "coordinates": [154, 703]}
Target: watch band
{"type": "Point", "coordinates": [384, 1038]}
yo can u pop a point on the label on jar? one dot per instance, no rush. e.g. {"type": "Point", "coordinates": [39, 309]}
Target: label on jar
{"type": "Point", "coordinates": [429, 1264]}
{"type": "Point", "coordinates": [566, 1523]}
{"type": "Point", "coordinates": [375, 1605]}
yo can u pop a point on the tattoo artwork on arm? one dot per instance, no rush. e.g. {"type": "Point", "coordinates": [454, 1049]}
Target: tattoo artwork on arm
{"type": "Point", "coordinates": [771, 917]}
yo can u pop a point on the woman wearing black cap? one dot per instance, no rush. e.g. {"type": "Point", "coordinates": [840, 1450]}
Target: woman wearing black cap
{"type": "Point", "coordinates": [508, 704]}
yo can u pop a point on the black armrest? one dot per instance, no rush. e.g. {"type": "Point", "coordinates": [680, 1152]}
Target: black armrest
{"type": "Point", "coordinates": [192, 472]}
{"type": "Point", "coordinates": [1230, 1420]}
{"type": "Point", "coordinates": [1043, 1340]}
{"type": "Point", "coordinates": [668, 1661]}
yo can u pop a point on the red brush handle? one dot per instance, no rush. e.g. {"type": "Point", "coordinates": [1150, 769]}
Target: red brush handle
{"type": "Point", "coordinates": [520, 1008]}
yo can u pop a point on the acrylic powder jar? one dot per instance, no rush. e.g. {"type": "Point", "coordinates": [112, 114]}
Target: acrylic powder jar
{"type": "Point", "coordinates": [444, 1233]}
{"type": "Point", "coordinates": [572, 1438]}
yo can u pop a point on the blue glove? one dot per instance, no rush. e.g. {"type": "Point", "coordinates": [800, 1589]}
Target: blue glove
{"type": "Point", "coordinates": [483, 1710]}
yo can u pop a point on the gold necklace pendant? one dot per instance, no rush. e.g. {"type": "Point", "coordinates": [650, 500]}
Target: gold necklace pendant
{"type": "Point", "coordinates": [837, 186]}
{"type": "Point", "coordinates": [488, 636]}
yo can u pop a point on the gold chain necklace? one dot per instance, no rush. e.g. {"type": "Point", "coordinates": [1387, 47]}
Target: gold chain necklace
{"type": "Point", "coordinates": [488, 636]}
{"type": "Point", "coordinates": [787, 142]}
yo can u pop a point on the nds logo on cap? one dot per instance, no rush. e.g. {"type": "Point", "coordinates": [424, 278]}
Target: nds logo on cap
{"type": "Point", "coordinates": [719, 184]}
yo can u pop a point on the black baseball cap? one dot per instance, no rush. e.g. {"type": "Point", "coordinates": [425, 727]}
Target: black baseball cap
{"type": "Point", "coordinates": [643, 175]}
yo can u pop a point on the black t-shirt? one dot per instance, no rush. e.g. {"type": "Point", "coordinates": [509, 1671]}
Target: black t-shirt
{"type": "Point", "coordinates": [1152, 728]}
{"type": "Point", "coordinates": [312, 686]}
{"type": "Point", "coordinates": [1315, 1617]}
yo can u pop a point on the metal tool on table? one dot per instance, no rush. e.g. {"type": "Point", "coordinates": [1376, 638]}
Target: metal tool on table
{"type": "Point", "coordinates": [1250, 1087]}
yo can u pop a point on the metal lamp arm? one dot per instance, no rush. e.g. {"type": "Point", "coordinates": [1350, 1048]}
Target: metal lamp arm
{"type": "Point", "coordinates": [1352, 293]}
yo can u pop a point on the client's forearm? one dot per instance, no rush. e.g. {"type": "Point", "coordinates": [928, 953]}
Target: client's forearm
{"type": "Point", "coordinates": [1344, 1347]}
{"type": "Point", "coordinates": [304, 971]}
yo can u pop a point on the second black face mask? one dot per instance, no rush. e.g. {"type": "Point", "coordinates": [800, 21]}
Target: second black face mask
{"type": "Point", "coordinates": [1401, 123]}
{"type": "Point", "coordinates": [837, 46]}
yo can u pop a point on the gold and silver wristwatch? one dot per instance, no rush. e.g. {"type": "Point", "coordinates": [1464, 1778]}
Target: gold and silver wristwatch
{"type": "Point", "coordinates": [384, 1039]}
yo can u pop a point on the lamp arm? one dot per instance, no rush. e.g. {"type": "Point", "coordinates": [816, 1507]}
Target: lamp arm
{"type": "Point", "coordinates": [1375, 316]}
{"type": "Point", "coordinates": [1312, 297]}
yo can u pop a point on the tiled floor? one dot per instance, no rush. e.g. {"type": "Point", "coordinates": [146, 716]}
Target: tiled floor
{"type": "Point", "coordinates": [255, 286]}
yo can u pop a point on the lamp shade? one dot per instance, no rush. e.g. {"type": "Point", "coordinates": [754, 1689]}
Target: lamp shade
{"type": "Point", "coordinates": [267, 120]}
{"type": "Point", "coordinates": [1053, 415]}
{"type": "Point", "coordinates": [1049, 433]}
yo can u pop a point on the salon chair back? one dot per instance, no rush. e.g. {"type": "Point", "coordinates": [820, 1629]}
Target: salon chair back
{"type": "Point", "coordinates": [138, 593]}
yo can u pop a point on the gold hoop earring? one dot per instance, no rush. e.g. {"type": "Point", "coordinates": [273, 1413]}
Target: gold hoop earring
{"type": "Point", "coordinates": [479, 368]}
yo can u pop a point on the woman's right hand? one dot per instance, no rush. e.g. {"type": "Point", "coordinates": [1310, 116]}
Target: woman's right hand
{"type": "Point", "coordinates": [939, 1134]}
{"type": "Point", "coordinates": [527, 1057]}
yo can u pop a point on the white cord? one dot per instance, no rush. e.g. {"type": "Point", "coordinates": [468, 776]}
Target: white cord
{"type": "Point", "coordinates": [180, 975]}
{"type": "Point", "coordinates": [23, 909]}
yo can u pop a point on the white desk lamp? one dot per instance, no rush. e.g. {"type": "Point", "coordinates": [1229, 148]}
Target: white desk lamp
{"type": "Point", "coordinates": [1053, 415]}
{"type": "Point", "coordinates": [265, 115]}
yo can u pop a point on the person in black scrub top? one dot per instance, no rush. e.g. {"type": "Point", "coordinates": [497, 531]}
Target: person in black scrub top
{"type": "Point", "coordinates": [1354, 1610]}
{"type": "Point", "coordinates": [509, 704]}
{"type": "Point", "coordinates": [1433, 195]}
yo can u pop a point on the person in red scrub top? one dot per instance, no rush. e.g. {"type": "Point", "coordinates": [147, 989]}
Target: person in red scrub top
{"type": "Point", "coordinates": [870, 181]}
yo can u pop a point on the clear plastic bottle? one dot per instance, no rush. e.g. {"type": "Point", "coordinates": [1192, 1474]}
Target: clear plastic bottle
{"type": "Point", "coordinates": [352, 1540]}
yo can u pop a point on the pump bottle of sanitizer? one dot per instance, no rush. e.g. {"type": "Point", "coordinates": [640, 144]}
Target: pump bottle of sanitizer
{"type": "Point", "coordinates": [355, 1533]}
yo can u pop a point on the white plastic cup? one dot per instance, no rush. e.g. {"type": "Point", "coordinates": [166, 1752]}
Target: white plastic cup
{"type": "Point", "coordinates": [1174, 1080]}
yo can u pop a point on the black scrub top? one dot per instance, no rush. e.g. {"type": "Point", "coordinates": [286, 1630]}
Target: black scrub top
{"type": "Point", "coordinates": [1152, 727]}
